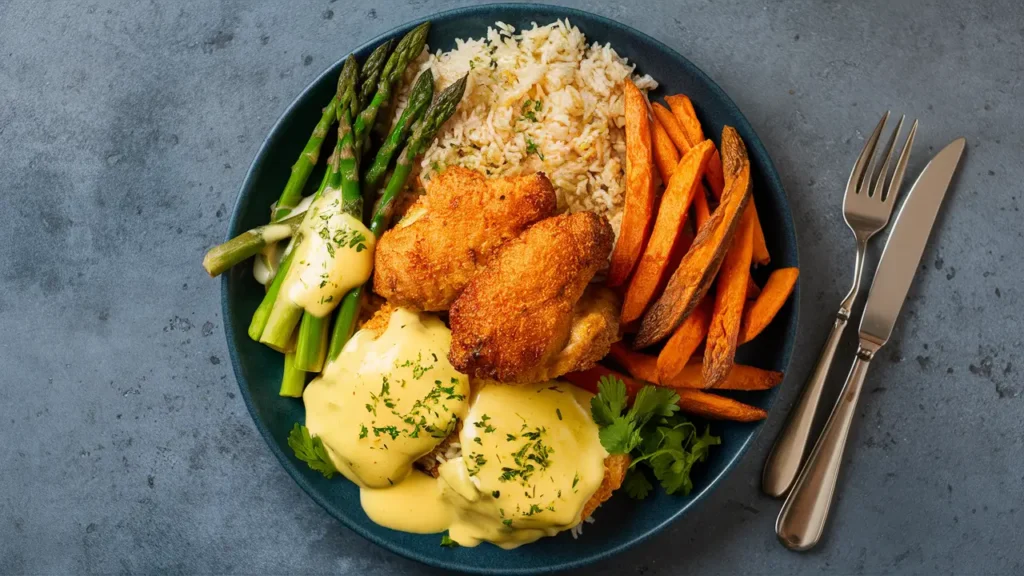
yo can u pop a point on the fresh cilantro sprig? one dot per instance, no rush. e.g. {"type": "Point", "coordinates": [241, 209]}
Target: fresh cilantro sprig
{"type": "Point", "coordinates": [652, 432]}
{"type": "Point", "coordinates": [310, 449]}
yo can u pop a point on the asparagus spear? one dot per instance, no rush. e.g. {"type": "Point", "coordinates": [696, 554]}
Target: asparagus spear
{"type": "Point", "coordinates": [408, 48]}
{"type": "Point", "coordinates": [370, 72]}
{"type": "Point", "coordinates": [285, 314]}
{"type": "Point", "coordinates": [248, 243]}
{"type": "Point", "coordinates": [423, 134]}
{"type": "Point", "coordinates": [293, 380]}
{"type": "Point", "coordinates": [420, 97]}
{"type": "Point", "coordinates": [262, 314]}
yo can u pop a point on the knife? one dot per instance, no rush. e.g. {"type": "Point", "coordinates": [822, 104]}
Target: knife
{"type": "Point", "coordinates": [803, 516]}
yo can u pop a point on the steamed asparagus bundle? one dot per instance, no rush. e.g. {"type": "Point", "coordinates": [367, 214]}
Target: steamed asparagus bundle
{"type": "Point", "coordinates": [423, 134]}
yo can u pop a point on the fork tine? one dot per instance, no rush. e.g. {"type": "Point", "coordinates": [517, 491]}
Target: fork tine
{"type": "Point", "coordinates": [865, 155]}
{"type": "Point", "coordinates": [901, 166]}
{"type": "Point", "coordinates": [883, 172]}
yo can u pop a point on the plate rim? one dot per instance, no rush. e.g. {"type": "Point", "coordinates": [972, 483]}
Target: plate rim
{"type": "Point", "coordinates": [770, 173]}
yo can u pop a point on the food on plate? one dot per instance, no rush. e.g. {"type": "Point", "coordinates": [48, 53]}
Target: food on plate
{"type": "Point", "coordinates": [540, 99]}
{"type": "Point", "coordinates": [666, 239]}
{"type": "Point", "coordinates": [690, 282]}
{"type": "Point", "coordinates": [388, 399]}
{"type": "Point", "coordinates": [690, 400]}
{"type": "Point", "coordinates": [666, 156]}
{"type": "Point", "coordinates": [515, 319]}
{"type": "Point", "coordinates": [682, 109]}
{"type": "Point", "coordinates": [671, 126]}
{"type": "Point", "coordinates": [638, 213]}
{"type": "Point", "coordinates": [740, 377]}
{"type": "Point", "coordinates": [730, 298]}
{"type": "Point", "coordinates": [768, 303]}
{"type": "Point", "coordinates": [477, 397]}
{"type": "Point", "coordinates": [685, 341]}
{"type": "Point", "coordinates": [427, 258]}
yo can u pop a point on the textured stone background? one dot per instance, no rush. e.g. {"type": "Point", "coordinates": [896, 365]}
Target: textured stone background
{"type": "Point", "coordinates": [126, 128]}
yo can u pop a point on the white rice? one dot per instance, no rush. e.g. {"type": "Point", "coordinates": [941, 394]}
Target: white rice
{"type": "Point", "coordinates": [538, 100]}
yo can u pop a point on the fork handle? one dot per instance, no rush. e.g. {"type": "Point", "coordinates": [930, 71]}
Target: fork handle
{"type": "Point", "coordinates": [784, 461]}
{"type": "Point", "coordinates": [803, 516]}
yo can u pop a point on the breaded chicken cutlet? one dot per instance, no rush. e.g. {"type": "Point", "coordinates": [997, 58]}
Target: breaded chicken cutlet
{"type": "Point", "coordinates": [528, 315]}
{"type": "Point", "coordinates": [429, 257]}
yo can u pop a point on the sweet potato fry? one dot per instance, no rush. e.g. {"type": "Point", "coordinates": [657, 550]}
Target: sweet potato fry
{"type": "Point", "coordinates": [684, 342]}
{"type": "Point", "coordinates": [715, 407]}
{"type": "Point", "coordinates": [700, 204]}
{"type": "Point", "coordinates": [588, 379]}
{"type": "Point", "coordinates": [761, 256]}
{"type": "Point", "coordinates": [652, 270]}
{"type": "Point", "coordinates": [665, 154]}
{"type": "Point", "coordinates": [696, 402]}
{"type": "Point", "coordinates": [714, 176]}
{"type": "Point", "coordinates": [753, 290]}
{"type": "Point", "coordinates": [717, 182]}
{"type": "Point", "coordinates": [639, 365]}
{"type": "Point", "coordinates": [682, 109]}
{"type": "Point", "coordinates": [638, 212]}
{"type": "Point", "coordinates": [730, 297]}
{"type": "Point", "coordinates": [774, 294]}
{"type": "Point", "coordinates": [644, 367]}
{"type": "Point", "coordinates": [741, 377]}
{"type": "Point", "coordinates": [672, 127]}
{"type": "Point", "coordinates": [692, 279]}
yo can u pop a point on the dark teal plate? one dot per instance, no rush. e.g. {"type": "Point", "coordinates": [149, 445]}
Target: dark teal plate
{"type": "Point", "coordinates": [621, 522]}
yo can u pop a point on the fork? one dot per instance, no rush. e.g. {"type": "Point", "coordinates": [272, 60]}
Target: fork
{"type": "Point", "coordinates": [867, 207]}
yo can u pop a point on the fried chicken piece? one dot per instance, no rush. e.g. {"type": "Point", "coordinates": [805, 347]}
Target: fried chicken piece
{"type": "Point", "coordinates": [524, 318]}
{"type": "Point", "coordinates": [429, 257]}
{"type": "Point", "coordinates": [615, 467]}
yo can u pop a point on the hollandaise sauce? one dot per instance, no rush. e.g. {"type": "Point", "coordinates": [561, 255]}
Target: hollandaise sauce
{"type": "Point", "coordinates": [335, 255]}
{"type": "Point", "coordinates": [530, 456]}
{"type": "Point", "coordinates": [531, 459]}
{"type": "Point", "coordinates": [388, 399]}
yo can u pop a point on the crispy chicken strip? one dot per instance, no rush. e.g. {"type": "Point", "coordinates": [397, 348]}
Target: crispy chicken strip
{"type": "Point", "coordinates": [521, 318]}
{"type": "Point", "coordinates": [427, 259]}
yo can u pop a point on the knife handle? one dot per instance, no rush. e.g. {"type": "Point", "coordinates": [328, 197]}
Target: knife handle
{"type": "Point", "coordinates": [802, 519]}
{"type": "Point", "coordinates": [783, 464]}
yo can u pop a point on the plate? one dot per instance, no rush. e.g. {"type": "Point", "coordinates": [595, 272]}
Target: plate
{"type": "Point", "coordinates": [621, 522]}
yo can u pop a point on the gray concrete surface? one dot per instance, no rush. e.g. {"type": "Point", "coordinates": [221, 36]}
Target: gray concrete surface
{"type": "Point", "coordinates": [126, 128]}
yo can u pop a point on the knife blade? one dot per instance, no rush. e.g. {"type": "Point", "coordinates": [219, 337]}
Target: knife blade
{"type": "Point", "coordinates": [905, 245]}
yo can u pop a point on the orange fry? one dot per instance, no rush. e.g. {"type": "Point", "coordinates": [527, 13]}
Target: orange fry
{"type": "Point", "coordinates": [700, 204]}
{"type": "Point", "coordinates": [714, 175]}
{"type": "Point", "coordinates": [741, 377]}
{"type": "Point", "coordinates": [730, 297]}
{"type": "Point", "coordinates": [753, 290]}
{"type": "Point", "coordinates": [665, 154]}
{"type": "Point", "coordinates": [672, 127]}
{"type": "Point", "coordinates": [682, 109]}
{"type": "Point", "coordinates": [698, 268]}
{"type": "Point", "coordinates": [639, 365]}
{"type": "Point", "coordinates": [684, 342]}
{"type": "Point", "coordinates": [717, 407]}
{"type": "Point", "coordinates": [761, 256]}
{"type": "Point", "coordinates": [690, 401]}
{"type": "Point", "coordinates": [774, 294]}
{"type": "Point", "coordinates": [638, 212]}
{"type": "Point", "coordinates": [652, 270]}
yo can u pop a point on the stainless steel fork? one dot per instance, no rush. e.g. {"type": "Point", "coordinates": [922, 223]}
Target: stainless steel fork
{"type": "Point", "coordinates": [867, 207]}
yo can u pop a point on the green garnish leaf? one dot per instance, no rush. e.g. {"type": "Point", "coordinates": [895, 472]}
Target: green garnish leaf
{"type": "Point", "coordinates": [310, 449]}
{"type": "Point", "coordinates": [653, 432]}
{"type": "Point", "coordinates": [636, 484]}
{"type": "Point", "coordinates": [447, 541]}
{"type": "Point", "coordinates": [609, 402]}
